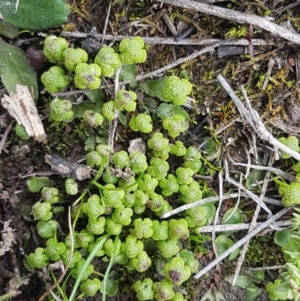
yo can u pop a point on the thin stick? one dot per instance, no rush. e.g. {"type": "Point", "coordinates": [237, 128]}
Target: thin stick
{"type": "Point", "coordinates": [254, 120]}
{"type": "Point", "coordinates": [238, 17]}
{"type": "Point", "coordinates": [167, 41]}
{"type": "Point", "coordinates": [214, 199]}
{"type": "Point", "coordinates": [238, 227]}
{"type": "Point", "coordinates": [242, 241]}
{"type": "Point", "coordinates": [5, 135]}
{"type": "Point", "coordinates": [213, 234]}
{"type": "Point", "coordinates": [106, 22]}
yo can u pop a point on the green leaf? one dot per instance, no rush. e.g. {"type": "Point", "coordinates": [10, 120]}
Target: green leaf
{"type": "Point", "coordinates": [232, 216]}
{"type": "Point", "coordinates": [15, 68]}
{"type": "Point", "coordinates": [165, 110]}
{"type": "Point", "coordinates": [282, 237]}
{"type": "Point", "coordinates": [112, 285]}
{"type": "Point", "coordinates": [95, 96]}
{"type": "Point", "coordinates": [223, 243]}
{"type": "Point", "coordinates": [35, 14]}
{"type": "Point", "coordinates": [153, 87]}
{"type": "Point", "coordinates": [9, 30]}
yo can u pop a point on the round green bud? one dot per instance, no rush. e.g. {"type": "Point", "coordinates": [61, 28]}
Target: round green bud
{"type": "Point", "coordinates": [122, 215]}
{"type": "Point", "coordinates": [184, 175]}
{"type": "Point", "coordinates": [158, 168]}
{"type": "Point", "coordinates": [90, 287]}
{"type": "Point", "coordinates": [50, 195]}
{"type": "Point", "coordinates": [176, 271]}
{"type": "Point", "coordinates": [178, 229]}
{"type": "Point", "coordinates": [92, 119]}
{"type": "Point", "coordinates": [132, 50]}
{"type": "Point", "coordinates": [54, 48]}
{"type": "Point", "coordinates": [120, 159]}
{"type": "Point", "coordinates": [108, 60]}
{"type": "Point", "coordinates": [61, 110]}
{"type": "Point", "coordinates": [144, 289]}
{"type": "Point", "coordinates": [190, 193]}
{"type": "Point", "coordinates": [142, 228]}
{"type": "Point", "coordinates": [160, 230]}
{"type": "Point", "coordinates": [42, 211]}
{"type": "Point", "coordinates": [126, 100]}
{"type": "Point", "coordinates": [78, 267]}
{"type": "Point", "coordinates": [155, 201]}
{"type": "Point", "coordinates": [38, 259]}
{"type": "Point", "coordinates": [111, 197]}
{"type": "Point", "coordinates": [158, 142]}
{"type": "Point", "coordinates": [141, 262]}
{"type": "Point", "coordinates": [55, 79]}
{"type": "Point", "coordinates": [47, 229]}
{"type": "Point", "coordinates": [93, 207]}
{"type": "Point", "coordinates": [168, 248]}
{"type": "Point", "coordinates": [169, 185]}
{"type": "Point", "coordinates": [71, 186]}
{"type": "Point", "coordinates": [175, 125]}
{"type": "Point", "coordinates": [84, 238]}
{"type": "Point", "coordinates": [163, 290]}
{"type": "Point", "coordinates": [113, 227]}
{"type": "Point", "coordinates": [108, 110]}
{"type": "Point", "coordinates": [138, 162]}
{"type": "Point", "coordinates": [178, 149]}
{"type": "Point", "coordinates": [176, 90]}
{"type": "Point", "coordinates": [87, 76]}
{"type": "Point", "coordinates": [132, 246]}
{"type": "Point", "coordinates": [54, 249]}
{"type": "Point", "coordinates": [96, 226]}
{"type": "Point", "coordinates": [93, 159]}
{"type": "Point", "coordinates": [74, 57]}
{"type": "Point", "coordinates": [147, 183]}
{"type": "Point", "coordinates": [142, 123]}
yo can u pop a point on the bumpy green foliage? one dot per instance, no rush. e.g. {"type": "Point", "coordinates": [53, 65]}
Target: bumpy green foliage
{"type": "Point", "coordinates": [168, 248]}
{"type": "Point", "coordinates": [132, 246]}
{"type": "Point", "coordinates": [158, 142]}
{"type": "Point", "coordinates": [158, 168]}
{"type": "Point", "coordinates": [38, 259]}
{"type": "Point", "coordinates": [141, 123]}
{"type": "Point", "coordinates": [108, 110]}
{"type": "Point", "coordinates": [55, 79]}
{"type": "Point", "coordinates": [175, 125]}
{"type": "Point", "coordinates": [120, 159]}
{"type": "Point", "coordinates": [42, 211]}
{"type": "Point", "coordinates": [163, 290]}
{"type": "Point", "coordinates": [90, 287]}
{"type": "Point", "coordinates": [138, 162]}
{"type": "Point", "coordinates": [50, 195]}
{"type": "Point", "coordinates": [132, 50]}
{"type": "Point", "coordinates": [292, 142]}
{"type": "Point", "coordinates": [74, 57]}
{"type": "Point", "coordinates": [176, 271]}
{"type": "Point", "coordinates": [160, 230]}
{"type": "Point", "coordinates": [142, 228]}
{"type": "Point", "coordinates": [61, 110]}
{"type": "Point", "coordinates": [176, 90]}
{"type": "Point", "coordinates": [93, 207]}
{"type": "Point", "coordinates": [141, 262]}
{"type": "Point", "coordinates": [144, 289]}
{"type": "Point", "coordinates": [126, 100]}
{"type": "Point", "coordinates": [169, 185]}
{"type": "Point", "coordinates": [178, 229]}
{"type": "Point", "coordinates": [108, 60]}
{"type": "Point", "coordinates": [290, 193]}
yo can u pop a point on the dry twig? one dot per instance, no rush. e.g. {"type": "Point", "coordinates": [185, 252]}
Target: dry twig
{"type": "Point", "coordinates": [238, 17]}
{"type": "Point", "coordinates": [238, 244]}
